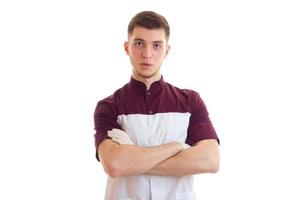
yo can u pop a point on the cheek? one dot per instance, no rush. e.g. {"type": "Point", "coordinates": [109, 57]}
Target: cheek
{"type": "Point", "coordinates": [134, 53]}
{"type": "Point", "coordinates": [159, 56]}
{"type": "Point", "coordinates": [160, 53]}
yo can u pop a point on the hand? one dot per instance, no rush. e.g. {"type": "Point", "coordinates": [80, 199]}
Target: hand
{"type": "Point", "coordinates": [119, 136]}
{"type": "Point", "coordinates": [185, 146]}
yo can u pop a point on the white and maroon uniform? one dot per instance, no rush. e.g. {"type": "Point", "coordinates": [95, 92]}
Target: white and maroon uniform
{"type": "Point", "coordinates": [160, 115]}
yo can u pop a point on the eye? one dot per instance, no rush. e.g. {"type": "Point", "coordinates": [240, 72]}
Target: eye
{"type": "Point", "coordinates": [157, 46]}
{"type": "Point", "coordinates": [139, 44]}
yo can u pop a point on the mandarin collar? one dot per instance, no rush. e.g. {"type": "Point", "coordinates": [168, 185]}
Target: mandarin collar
{"type": "Point", "coordinates": [139, 85]}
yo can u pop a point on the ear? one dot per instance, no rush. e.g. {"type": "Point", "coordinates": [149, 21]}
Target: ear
{"type": "Point", "coordinates": [167, 50]}
{"type": "Point", "coordinates": [126, 47]}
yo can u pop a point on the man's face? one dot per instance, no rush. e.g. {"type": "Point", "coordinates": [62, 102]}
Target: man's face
{"type": "Point", "coordinates": [147, 49]}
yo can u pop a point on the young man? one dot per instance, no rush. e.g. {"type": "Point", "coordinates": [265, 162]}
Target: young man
{"type": "Point", "coordinates": [151, 137]}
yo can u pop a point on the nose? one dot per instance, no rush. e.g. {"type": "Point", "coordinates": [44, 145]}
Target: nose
{"type": "Point", "coordinates": [147, 52]}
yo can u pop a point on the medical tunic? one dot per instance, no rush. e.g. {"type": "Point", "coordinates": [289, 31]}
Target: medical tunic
{"type": "Point", "coordinates": [160, 115]}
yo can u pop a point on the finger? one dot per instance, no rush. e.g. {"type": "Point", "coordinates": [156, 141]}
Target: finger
{"type": "Point", "coordinates": [111, 136]}
{"type": "Point", "coordinates": [117, 140]}
{"type": "Point", "coordinates": [117, 130]}
{"type": "Point", "coordinates": [114, 131]}
{"type": "Point", "coordinates": [116, 135]}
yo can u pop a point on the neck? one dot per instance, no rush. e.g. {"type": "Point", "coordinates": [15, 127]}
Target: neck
{"type": "Point", "coordinates": [147, 81]}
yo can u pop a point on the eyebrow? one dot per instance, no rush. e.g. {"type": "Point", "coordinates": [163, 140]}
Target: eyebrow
{"type": "Point", "coordinates": [138, 39]}
{"type": "Point", "coordinates": [142, 40]}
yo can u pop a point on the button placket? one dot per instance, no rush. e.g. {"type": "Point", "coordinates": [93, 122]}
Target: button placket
{"type": "Point", "coordinates": [147, 97]}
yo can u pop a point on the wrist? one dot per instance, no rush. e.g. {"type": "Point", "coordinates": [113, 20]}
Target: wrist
{"type": "Point", "coordinates": [183, 146]}
{"type": "Point", "coordinates": [179, 145]}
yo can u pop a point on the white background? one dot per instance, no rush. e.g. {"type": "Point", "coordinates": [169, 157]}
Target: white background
{"type": "Point", "coordinates": [59, 58]}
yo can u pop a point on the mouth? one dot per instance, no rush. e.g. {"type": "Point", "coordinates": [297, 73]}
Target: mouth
{"type": "Point", "coordinates": [146, 64]}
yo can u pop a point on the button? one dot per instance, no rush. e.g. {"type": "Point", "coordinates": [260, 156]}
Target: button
{"type": "Point", "coordinates": [150, 112]}
{"type": "Point", "coordinates": [148, 93]}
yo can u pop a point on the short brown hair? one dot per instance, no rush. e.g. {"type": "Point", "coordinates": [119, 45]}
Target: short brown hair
{"type": "Point", "coordinates": [149, 20]}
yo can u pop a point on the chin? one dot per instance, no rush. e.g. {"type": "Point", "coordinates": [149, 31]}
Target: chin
{"type": "Point", "coordinates": [147, 75]}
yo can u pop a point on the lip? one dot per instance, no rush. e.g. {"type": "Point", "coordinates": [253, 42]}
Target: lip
{"type": "Point", "coordinates": [146, 64]}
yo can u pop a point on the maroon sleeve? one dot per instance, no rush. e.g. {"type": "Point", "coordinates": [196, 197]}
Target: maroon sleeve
{"type": "Point", "coordinates": [105, 119]}
{"type": "Point", "coordinates": [200, 126]}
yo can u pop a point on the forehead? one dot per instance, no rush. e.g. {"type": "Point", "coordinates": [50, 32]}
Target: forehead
{"type": "Point", "coordinates": [148, 35]}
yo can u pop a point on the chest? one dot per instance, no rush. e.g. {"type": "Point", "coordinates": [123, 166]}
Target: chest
{"type": "Point", "coordinates": [156, 129]}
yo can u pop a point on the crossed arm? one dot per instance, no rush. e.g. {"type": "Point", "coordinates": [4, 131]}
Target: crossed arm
{"type": "Point", "coordinates": [169, 159]}
{"type": "Point", "coordinates": [203, 157]}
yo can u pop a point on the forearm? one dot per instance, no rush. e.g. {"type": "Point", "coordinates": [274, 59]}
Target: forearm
{"type": "Point", "coordinates": [195, 160]}
{"type": "Point", "coordinates": [128, 160]}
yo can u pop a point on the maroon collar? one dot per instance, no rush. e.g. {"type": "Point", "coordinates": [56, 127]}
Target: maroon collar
{"type": "Point", "coordinates": [139, 85]}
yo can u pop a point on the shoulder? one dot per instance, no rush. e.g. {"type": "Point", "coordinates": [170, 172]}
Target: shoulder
{"type": "Point", "coordinates": [190, 98]}
{"type": "Point", "coordinates": [113, 99]}
{"type": "Point", "coordinates": [190, 94]}
{"type": "Point", "coordinates": [117, 93]}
